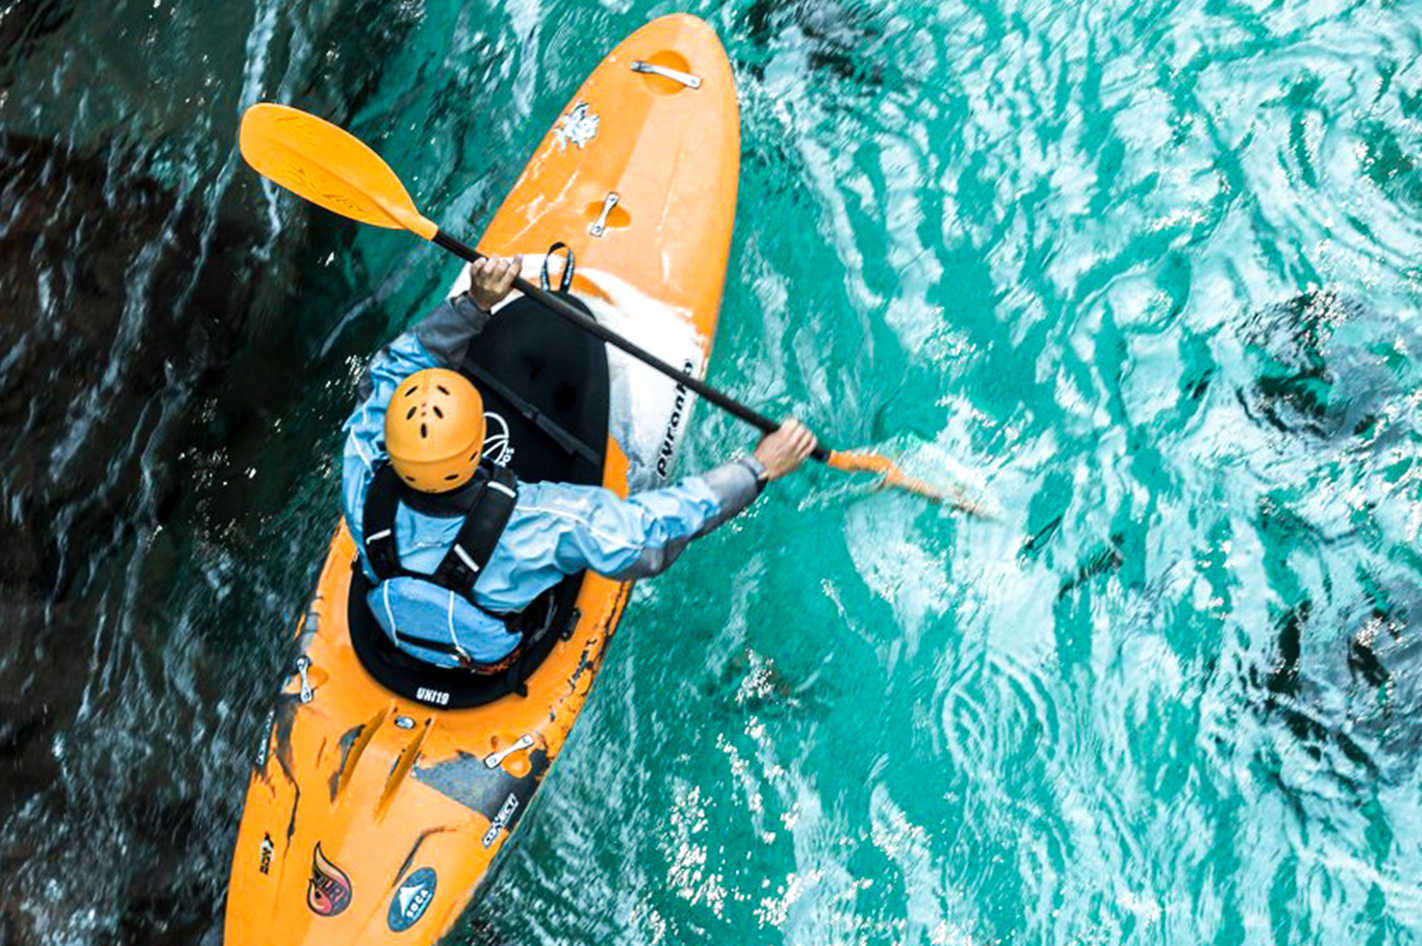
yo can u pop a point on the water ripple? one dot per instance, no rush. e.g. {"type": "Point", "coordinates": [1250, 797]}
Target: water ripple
{"type": "Point", "coordinates": [1150, 269]}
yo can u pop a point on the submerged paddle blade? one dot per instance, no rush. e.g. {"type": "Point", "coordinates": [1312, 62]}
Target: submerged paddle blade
{"type": "Point", "coordinates": [863, 461]}
{"type": "Point", "coordinates": [328, 166]}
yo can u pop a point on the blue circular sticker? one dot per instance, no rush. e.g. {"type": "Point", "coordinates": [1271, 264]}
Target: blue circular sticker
{"type": "Point", "coordinates": [411, 899]}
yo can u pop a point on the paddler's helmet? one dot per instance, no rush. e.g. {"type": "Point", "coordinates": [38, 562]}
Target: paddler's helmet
{"type": "Point", "coordinates": [434, 430]}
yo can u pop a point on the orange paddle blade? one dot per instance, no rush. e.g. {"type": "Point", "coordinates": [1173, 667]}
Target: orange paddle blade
{"type": "Point", "coordinates": [862, 461]}
{"type": "Point", "coordinates": [328, 166]}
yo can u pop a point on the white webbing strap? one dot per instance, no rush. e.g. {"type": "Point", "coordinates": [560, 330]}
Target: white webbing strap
{"type": "Point", "coordinates": [464, 557]}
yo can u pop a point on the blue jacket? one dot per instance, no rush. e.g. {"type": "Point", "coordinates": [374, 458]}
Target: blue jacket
{"type": "Point", "coordinates": [556, 529]}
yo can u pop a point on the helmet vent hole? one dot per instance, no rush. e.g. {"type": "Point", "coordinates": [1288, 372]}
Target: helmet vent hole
{"type": "Point", "coordinates": [424, 431]}
{"type": "Point", "coordinates": [452, 476]}
{"type": "Point", "coordinates": [412, 391]}
{"type": "Point", "coordinates": [409, 477]}
{"type": "Point", "coordinates": [410, 413]}
{"type": "Point", "coordinates": [442, 389]}
{"type": "Point", "coordinates": [438, 413]}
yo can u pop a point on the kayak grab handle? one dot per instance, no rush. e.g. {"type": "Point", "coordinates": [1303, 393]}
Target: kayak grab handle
{"type": "Point", "coordinates": [676, 75]}
{"type": "Point", "coordinates": [599, 226]}
{"type": "Point", "coordinates": [308, 692]}
{"type": "Point", "coordinates": [496, 759]}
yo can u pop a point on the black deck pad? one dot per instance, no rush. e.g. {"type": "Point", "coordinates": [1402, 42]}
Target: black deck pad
{"type": "Point", "coordinates": [550, 427]}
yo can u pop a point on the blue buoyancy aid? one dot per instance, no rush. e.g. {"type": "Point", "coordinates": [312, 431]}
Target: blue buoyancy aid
{"type": "Point", "coordinates": [484, 506]}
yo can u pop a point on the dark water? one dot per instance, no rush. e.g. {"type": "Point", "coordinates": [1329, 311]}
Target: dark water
{"type": "Point", "coordinates": [1151, 268]}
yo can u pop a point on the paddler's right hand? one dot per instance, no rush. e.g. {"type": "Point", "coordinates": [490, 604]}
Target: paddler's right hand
{"type": "Point", "coordinates": [783, 451]}
{"type": "Point", "coordinates": [491, 278]}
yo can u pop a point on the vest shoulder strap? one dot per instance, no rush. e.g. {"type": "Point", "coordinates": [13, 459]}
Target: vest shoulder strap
{"type": "Point", "coordinates": [484, 524]}
{"type": "Point", "coordinates": [489, 513]}
{"type": "Point", "coordinates": [378, 523]}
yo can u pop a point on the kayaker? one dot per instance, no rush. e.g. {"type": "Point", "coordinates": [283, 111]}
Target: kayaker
{"type": "Point", "coordinates": [452, 545]}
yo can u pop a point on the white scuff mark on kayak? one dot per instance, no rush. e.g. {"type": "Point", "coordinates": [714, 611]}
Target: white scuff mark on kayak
{"type": "Point", "coordinates": [648, 412]}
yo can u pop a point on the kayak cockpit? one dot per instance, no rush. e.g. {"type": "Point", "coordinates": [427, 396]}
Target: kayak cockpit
{"type": "Point", "coordinates": [545, 389]}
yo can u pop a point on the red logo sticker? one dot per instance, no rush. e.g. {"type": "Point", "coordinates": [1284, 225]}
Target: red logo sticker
{"type": "Point", "coordinates": [330, 890]}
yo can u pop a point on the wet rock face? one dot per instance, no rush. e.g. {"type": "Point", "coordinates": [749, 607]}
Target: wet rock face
{"type": "Point", "coordinates": [1328, 383]}
{"type": "Point", "coordinates": [1340, 678]}
{"type": "Point", "coordinates": [107, 326]}
{"type": "Point", "coordinates": [107, 319]}
{"type": "Point", "coordinates": [166, 477]}
{"type": "Point", "coordinates": [23, 23]}
{"type": "Point", "coordinates": [1323, 369]}
{"type": "Point", "coordinates": [841, 38]}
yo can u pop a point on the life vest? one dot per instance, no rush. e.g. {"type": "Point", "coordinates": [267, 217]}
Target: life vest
{"type": "Point", "coordinates": [495, 494]}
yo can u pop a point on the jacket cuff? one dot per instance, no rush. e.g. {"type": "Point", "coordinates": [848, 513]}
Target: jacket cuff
{"type": "Point", "coordinates": [445, 332]}
{"type": "Point", "coordinates": [735, 485]}
{"type": "Point", "coordinates": [751, 462]}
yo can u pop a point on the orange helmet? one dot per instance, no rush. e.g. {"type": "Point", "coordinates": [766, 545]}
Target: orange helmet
{"type": "Point", "coordinates": [434, 430]}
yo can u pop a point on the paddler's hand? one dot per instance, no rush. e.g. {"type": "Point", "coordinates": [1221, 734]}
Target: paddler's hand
{"type": "Point", "coordinates": [783, 451]}
{"type": "Point", "coordinates": [491, 278]}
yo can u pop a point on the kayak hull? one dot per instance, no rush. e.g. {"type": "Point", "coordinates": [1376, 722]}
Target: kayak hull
{"type": "Point", "coordinates": [372, 816]}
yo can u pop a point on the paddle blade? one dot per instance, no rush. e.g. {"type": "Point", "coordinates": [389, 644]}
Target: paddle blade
{"type": "Point", "coordinates": [328, 166]}
{"type": "Point", "coordinates": [863, 461]}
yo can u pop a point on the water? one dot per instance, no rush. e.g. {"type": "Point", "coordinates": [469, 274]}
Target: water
{"type": "Point", "coordinates": [1151, 268]}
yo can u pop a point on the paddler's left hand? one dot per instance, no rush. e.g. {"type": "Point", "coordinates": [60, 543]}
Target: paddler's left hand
{"type": "Point", "coordinates": [491, 278]}
{"type": "Point", "coordinates": [783, 451]}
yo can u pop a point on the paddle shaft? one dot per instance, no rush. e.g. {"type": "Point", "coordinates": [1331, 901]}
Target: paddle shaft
{"type": "Point", "coordinates": [550, 301]}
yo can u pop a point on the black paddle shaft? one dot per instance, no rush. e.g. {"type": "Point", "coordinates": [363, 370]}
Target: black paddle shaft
{"type": "Point", "coordinates": [550, 301]}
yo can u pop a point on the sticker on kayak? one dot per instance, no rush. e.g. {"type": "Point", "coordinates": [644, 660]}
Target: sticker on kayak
{"type": "Point", "coordinates": [496, 439]}
{"type": "Point", "coordinates": [437, 697]}
{"type": "Point", "coordinates": [578, 126]}
{"type": "Point", "coordinates": [501, 820]}
{"type": "Point", "coordinates": [411, 900]}
{"type": "Point", "coordinates": [267, 849]}
{"type": "Point", "coordinates": [668, 448]}
{"type": "Point", "coordinates": [329, 892]}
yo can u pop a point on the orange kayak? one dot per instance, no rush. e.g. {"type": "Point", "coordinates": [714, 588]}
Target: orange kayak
{"type": "Point", "coordinates": [384, 790]}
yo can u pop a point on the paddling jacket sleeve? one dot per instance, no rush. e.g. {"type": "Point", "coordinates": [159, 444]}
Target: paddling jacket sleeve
{"type": "Point", "coordinates": [644, 534]}
{"type": "Point", "coordinates": [443, 335]}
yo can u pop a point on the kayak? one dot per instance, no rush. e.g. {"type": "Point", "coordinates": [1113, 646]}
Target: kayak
{"type": "Point", "coordinates": [384, 788]}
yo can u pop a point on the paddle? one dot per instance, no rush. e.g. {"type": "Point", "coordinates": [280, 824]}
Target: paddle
{"type": "Point", "coordinates": [332, 168]}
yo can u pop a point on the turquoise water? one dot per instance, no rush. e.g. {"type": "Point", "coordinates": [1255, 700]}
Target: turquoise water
{"type": "Point", "coordinates": [1150, 269]}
